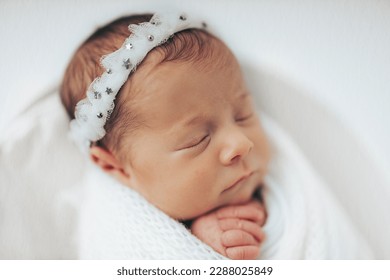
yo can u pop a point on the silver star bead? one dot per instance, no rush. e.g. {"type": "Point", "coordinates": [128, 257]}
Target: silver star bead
{"type": "Point", "coordinates": [126, 63]}
{"type": "Point", "coordinates": [109, 71]}
{"type": "Point", "coordinates": [150, 37]}
{"type": "Point", "coordinates": [97, 95]}
{"type": "Point", "coordinates": [100, 115]}
{"type": "Point", "coordinates": [108, 90]}
{"type": "Point", "coordinates": [109, 112]}
{"type": "Point", "coordinates": [129, 46]}
{"type": "Point", "coordinates": [183, 17]}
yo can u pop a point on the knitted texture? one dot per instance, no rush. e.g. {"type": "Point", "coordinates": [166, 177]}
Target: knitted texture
{"type": "Point", "coordinates": [118, 223]}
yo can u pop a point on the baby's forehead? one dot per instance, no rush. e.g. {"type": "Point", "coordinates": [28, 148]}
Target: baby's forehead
{"type": "Point", "coordinates": [155, 72]}
{"type": "Point", "coordinates": [217, 56]}
{"type": "Point", "coordinates": [177, 89]}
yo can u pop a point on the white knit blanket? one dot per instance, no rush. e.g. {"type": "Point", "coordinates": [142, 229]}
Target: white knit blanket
{"type": "Point", "coordinates": [304, 220]}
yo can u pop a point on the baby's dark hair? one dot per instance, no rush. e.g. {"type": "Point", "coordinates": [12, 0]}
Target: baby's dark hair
{"type": "Point", "coordinates": [192, 45]}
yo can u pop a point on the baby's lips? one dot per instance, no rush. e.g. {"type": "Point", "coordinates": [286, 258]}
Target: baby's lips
{"type": "Point", "coordinates": [237, 181]}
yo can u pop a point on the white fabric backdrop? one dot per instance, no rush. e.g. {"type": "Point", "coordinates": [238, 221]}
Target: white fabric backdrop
{"type": "Point", "coordinates": [321, 69]}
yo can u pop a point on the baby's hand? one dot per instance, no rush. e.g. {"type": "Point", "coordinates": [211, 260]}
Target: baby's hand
{"type": "Point", "coordinates": [233, 231]}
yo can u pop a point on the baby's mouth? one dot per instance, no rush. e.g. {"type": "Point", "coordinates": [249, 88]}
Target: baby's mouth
{"type": "Point", "coordinates": [238, 182]}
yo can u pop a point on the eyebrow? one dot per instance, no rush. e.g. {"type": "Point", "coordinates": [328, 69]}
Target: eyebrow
{"type": "Point", "coordinates": [201, 118]}
{"type": "Point", "coordinates": [194, 120]}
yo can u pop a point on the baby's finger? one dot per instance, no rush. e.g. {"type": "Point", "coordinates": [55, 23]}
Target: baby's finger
{"type": "Point", "coordinates": [243, 252]}
{"type": "Point", "coordinates": [240, 224]}
{"type": "Point", "coordinates": [251, 211]}
{"type": "Point", "coordinates": [236, 237]}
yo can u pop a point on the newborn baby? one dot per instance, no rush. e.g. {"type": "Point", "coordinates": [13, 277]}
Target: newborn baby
{"type": "Point", "coordinates": [183, 133]}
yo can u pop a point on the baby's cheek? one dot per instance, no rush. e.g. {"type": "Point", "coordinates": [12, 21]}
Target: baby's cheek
{"type": "Point", "coordinates": [200, 174]}
{"type": "Point", "coordinates": [262, 143]}
{"type": "Point", "coordinates": [182, 203]}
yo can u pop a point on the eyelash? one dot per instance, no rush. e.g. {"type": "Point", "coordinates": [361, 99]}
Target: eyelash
{"type": "Point", "coordinates": [198, 143]}
{"type": "Point", "coordinates": [244, 118]}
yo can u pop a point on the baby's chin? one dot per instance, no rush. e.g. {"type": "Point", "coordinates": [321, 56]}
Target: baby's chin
{"type": "Point", "coordinates": [243, 195]}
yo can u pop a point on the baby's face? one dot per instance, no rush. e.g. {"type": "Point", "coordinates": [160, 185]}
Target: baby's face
{"type": "Point", "coordinates": [201, 145]}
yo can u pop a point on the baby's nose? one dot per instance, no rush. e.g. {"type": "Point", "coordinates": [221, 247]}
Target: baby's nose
{"type": "Point", "coordinates": [236, 147]}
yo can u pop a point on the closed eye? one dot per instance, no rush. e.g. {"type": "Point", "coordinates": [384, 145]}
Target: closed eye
{"type": "Point", "coordinates": [244, 118]}
{"type": "Point", "coordinates": [197, 143]}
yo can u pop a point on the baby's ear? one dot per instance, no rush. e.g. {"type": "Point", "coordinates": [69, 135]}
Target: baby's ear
{"type": "Point", "coordinates": [108, 163]}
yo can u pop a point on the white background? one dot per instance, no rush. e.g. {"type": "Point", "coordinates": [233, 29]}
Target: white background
{"type": "Point", "coordinates": [321, 68]}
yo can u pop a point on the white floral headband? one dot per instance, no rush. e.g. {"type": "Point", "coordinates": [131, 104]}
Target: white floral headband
{"type": "Point", "coordinates": [92, 112]}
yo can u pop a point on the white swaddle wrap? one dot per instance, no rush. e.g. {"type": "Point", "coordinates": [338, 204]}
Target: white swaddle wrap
{"type": "Point", "coordinates": [118, 223]}
{"type": "Point", "coordinates": [304, 221]}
